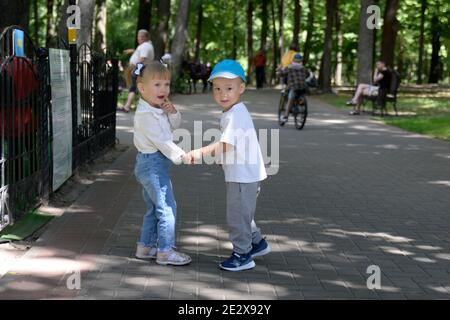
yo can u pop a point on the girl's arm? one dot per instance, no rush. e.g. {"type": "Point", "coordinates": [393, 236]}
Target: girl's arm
{"type": "Point", "coordinates": [175, 120]}
{"type": "Point", "coordinates": [150, 134]}
{"type": "Point", "coordinates": [173, 114]}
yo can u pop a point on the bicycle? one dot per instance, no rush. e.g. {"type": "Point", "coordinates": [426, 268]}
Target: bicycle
{"type": "Point", "coordinates": [299, 108]}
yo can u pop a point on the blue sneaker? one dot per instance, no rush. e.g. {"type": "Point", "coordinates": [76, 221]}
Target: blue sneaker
{"type": "Point", "coordinates": [238, 262]}
{"type": "Point", "coordinates": [260, 248]}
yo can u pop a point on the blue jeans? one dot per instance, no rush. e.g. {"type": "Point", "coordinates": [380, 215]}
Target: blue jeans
{"type": "Point", "coordinates": [158, 228]}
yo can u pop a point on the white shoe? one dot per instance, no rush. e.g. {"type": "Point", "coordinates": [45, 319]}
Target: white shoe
{"type": "Point", "coordinates": [145, 253]}
{"type": "Point", "coordinates": [173, 257]}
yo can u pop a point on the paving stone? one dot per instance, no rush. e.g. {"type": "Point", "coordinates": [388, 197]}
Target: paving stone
{"type": "Point", "coordinates": [350, 193]}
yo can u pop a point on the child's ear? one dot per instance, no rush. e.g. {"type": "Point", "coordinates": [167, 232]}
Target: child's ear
{"type": "Point", "coordinates": [140, 87]}
{"type": "Point", "coordinates": [242, 89]}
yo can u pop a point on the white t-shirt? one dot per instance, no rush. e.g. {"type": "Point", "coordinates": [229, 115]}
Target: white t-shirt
{"type": "Point", "coordinates": [243, 164]}
{"type": "Point", "coordinates": [153, 131]}
{"type": "Point", "coordinates": [144, 50]}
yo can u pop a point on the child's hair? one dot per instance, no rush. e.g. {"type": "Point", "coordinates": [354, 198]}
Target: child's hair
{"type": "Point", "coordinates": [152, 70]}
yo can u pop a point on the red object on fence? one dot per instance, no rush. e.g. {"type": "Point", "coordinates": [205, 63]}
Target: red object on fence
{"type": "Point", "coordinates": [23, 76]}
{"type": "Point", "coordinates": [19, 75]}
{"type": "Point", "coordinates": [22, 120]}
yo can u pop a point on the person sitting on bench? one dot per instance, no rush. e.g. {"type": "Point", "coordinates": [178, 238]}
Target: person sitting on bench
{"type": "Point", "coordinates": [382, 77]}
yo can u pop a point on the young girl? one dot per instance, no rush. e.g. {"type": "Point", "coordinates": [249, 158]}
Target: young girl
{"type": "Point", "coordinates": [154, 121]}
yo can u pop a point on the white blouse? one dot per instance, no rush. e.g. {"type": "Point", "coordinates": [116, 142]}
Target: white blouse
{"type": "Point", "coordinates": [153, 131]}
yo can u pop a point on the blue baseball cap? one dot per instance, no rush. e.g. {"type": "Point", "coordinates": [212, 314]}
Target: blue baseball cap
{"type": "Point", "coordinates": [297, 57]}
{"type": "Point", "coordinates": [229, 69]}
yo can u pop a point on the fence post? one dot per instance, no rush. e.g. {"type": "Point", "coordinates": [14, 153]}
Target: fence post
{"type": "Point", "coordinates": [73, 89]}
{"type": "Point", "coordinates": [45, 120]}
{"type": "Point", "coordinates": [96, 72]}
{"type": "Point", "coordinates": [115, 89]}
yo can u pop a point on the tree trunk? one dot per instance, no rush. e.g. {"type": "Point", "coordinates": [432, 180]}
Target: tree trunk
{"type": "Point", "coordinates": [309, 31]}
{"type": "Point", "coordinates": [62, 25]}
{"type": "Point", "coordinates": [14, 13]}
{"type": "Point", "coordinates": [144, 17]}
{"type": "Point", "coordinates": [234, 43]}
{"type": "Point", "coordinates": [365, 45]}
{"type": "Point", "coordinates": [87, 8]}
{"type": "Point", "coordinates": [198, 35]}
{"type": "Point", "coordinates": [274, 43]}
{"type": "Point", "coordinates": [426, 64]}
{"type": "Point", "coordinates": [297, 21]}
{"type": "Point", "coordinates": [390, 29]}
{"type": "Point", "coordinates": [36, 23]}
{"type": "Point", "coordinates": [181, 34]}
{"type": "Point", "coordinates": [321, 70]}
{"type": "Point", "coordinates": [375, 37]}
{"type": "Point", "coordinates": [435, 64]}
{"type": "Point", "coordinates": [281, 24]}
{"type": "Point", "coordinates": [421, 41]}
{"type": "Point", "coordinates": [161, 36]}
{"type": "Point", "coordinates": [325, 74]}
{"type": "Point", "coordinates": [401, 55]}
{"type": "Point", "coordinates": [100, 26]}
{"type": "Point", "coordinates": [57, 9]}
{"type": "Point", "coordinates": [249, 40]}
{"type": "Point", "coordinates": [340, 41]}
{"type": "Point", "coordinates": [265, 23]}
{"type": "Point", "coordinates": [50, 31]}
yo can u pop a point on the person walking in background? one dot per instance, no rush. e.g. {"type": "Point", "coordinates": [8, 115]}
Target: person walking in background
{"type": "Point", "coordinates": [143, 53]}
{"type": "Point", "coordinates": [259, 61]}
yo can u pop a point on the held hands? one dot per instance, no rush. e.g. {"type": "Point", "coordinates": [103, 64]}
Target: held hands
{"type": "Point", "coordinates": [168, 107]}
{"type": "Point", "coordinates": [192, 157]}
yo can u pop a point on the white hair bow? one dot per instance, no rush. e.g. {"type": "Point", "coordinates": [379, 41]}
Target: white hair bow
{"type": "Point", "coordinates": [139, 68]}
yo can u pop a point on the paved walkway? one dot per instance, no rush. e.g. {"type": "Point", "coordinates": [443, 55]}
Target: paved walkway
{"type": "Point", "coordinates": [350, 193]}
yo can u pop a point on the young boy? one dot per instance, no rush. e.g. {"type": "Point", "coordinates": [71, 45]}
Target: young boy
{"type": "Point", "coordinates": [242, 163]}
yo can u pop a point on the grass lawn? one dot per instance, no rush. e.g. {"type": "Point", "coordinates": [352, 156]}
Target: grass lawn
{"type": "Point", "coordinates": [429, 116]}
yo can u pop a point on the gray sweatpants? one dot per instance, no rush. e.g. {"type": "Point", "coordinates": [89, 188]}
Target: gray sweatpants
{"type": "Point", "coordinates": [241, 205]}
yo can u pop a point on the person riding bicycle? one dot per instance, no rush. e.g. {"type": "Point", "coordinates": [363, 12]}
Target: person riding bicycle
{"type": "Point", "coordinates": [296, 81]}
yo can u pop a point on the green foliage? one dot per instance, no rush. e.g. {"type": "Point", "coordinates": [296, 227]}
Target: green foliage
{"type": "Point", "coordinates": [437, 127]}
{"type": "Point", "coordinates": [225, 18]}
{"type": "Point", "coordinates": [181, 84]}
{"type": "Point", "coordinates": [428, 116]}
{"type": "Point", "coordinates": [121, 27]}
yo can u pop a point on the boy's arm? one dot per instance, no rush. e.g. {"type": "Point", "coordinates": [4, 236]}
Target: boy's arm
{"type": "Point", "coordinates": [213, 150]}
{"type": "Point", "coordinates": [225, 144]}
{"type": "Point", "coordinates": [216, 148]}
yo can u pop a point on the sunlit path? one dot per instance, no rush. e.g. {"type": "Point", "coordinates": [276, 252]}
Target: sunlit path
{"type": "Point", "coordinates": [350, 193]}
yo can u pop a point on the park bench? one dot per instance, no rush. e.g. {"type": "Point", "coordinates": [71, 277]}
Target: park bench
{"type": "Point", "coordinates": [386, 96]}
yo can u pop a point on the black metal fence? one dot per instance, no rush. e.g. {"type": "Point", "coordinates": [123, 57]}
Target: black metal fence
{"type": "Point", "coordinates": [26, 118]}
{"type": "Point", "coordinates": [98, 80]}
